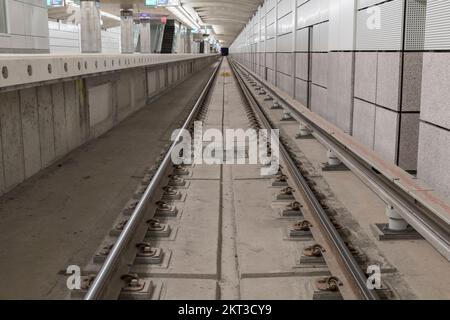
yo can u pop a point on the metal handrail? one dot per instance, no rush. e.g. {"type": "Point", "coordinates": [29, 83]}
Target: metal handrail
{"type": "Point", "coordinates": [107, 270]}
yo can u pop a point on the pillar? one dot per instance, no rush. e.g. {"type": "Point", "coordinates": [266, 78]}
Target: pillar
{"type": "Point", "coordinates": [396, 222]}
{"type": "Point", "coordinates": [144, 33]}
{"type": "Point", "coordinates": [91, 36]}
{"type": "Point", "coordinates": [303, 130]}
{"type": "Point", "coordinates": [188, 44]}
{"type": "Point", "coordinates": [332, 158]}
{"type": "Point", "coordinates": [126, 31]}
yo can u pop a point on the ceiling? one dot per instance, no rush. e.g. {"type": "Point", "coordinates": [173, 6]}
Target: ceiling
{"type": "Point", "coordinates": [227, 17]}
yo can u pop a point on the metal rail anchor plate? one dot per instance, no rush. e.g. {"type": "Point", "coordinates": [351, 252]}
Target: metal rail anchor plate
{"type": "Point", "coordinates": [292, 210]}
{"type": "Point", "coordinates": [86, 282]}
{"type": "Point", "coordinates": [180, 170]}
{"type": "Point", "coordinates": [164, 209]}
{"type": "Point", "coordinates": [312, 256]}
{"type": "Point", "coordinates": [285, 194]}
{"type": "Point", "coordinates": [101, 254]}
{"type": "Point", "coordinates": [157, 229]}
{"type": "Point", "coordinates": [327, 289]}
{"type": "Point", "coordinates": [280, 180]}
{"type": "Point", "coordinates": [140, 191]}
{"type": "Point", "coordinates": [170, 193]}
{"type": "Point", "coordinates": [301, 230]}
{"type": "Point", "coordinates": [129, 207]}
{"type": "Point", "coordinates": [176, 181]}
{"type": "Point", "coordinates": [136, 288]}
{"type": "Point", "coordinates": [118, 227]}
{"type": "Point", "coordinates": [148, 254]}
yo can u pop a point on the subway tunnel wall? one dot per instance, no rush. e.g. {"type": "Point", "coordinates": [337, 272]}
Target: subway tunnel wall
{"type": "Point", "coordinates": [372, 68]}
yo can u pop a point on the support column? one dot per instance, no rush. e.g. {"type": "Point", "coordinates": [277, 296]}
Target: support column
{"type": "Point", "coordinates": [395, 221]}
{"type": "Point", "coordinates": [126, 31]}
{"type": "Point", "coordinates": [276, 105]}
{"type": "Point", "coordinates": [396, 229]}
{"type": "Point", "coordinates": [304, 132]}
{"type": "Point", "coordinates": [333, 163]}
{"type": "Point", "coordinates": [90, 28]}
{"type": "Point", "coordinates": [287, 116]}
{"type": "Point", "coordinates": [188, 46]}
{"type": "Point", "coordinates": [144, 34]}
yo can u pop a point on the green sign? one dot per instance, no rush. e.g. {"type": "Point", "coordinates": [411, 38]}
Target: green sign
{"type": "Point", "coordinates": [55, 3]}
{"type": "Point", "coordinates": [151, 3]}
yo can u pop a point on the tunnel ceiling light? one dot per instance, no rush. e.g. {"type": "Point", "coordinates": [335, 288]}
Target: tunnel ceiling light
{"type": "Point", "coordinates": [184, 16]}
{"type": "Point", "coordinates": [109, 15]}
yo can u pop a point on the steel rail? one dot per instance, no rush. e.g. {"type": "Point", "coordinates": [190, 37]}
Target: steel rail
{"type": "Point", "coordinates": [420, 214]}
{"type": "Point", "coordinates": [351, 265]}
{"type": "Point", "coordinates": [109, 267]}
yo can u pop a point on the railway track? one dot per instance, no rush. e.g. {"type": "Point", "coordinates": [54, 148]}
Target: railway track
{"type": "Point", "coordinates": [131, 264]}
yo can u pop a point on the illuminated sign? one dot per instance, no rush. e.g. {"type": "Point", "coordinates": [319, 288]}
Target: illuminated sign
{"type": "Point", "coordinates": [55, 3]}
{"type": "Point", "coordinates": [162, 3]}
{"type": "Point", "coordinates": [144, 15]}
{"type": "Point", "coordinates": [168, 3]}
{"type": "Point", "coordinates": [151, 3]}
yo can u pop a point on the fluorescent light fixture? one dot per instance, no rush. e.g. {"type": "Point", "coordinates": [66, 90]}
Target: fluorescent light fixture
{"type": "Point", "coordinates": [184, 16]}
{"type": "Point", "coordinates": [102, 13]}
{"type": "Point", "coordinates": [109, 15]}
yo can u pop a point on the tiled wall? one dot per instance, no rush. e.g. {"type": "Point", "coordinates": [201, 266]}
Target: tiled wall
{"type": "Point", "coordinates": [66, 38]}
{"type": "Point", "coordinates": [27, 27]}
{"type": "Point", "coordinates": [388, 72]}
{"type": "Point", "coordinates": [365, 80]}
{"type": "Point", "coordinates": [434, 137]}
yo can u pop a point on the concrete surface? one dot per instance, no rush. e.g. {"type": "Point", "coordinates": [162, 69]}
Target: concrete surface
{"type": "Point", "coordinates": [340, 89]}
{"type": "Point", "coordinates": [386, 134]}
{"type": "Point", "coordinates": [388, 80]}
{"type": "Point", "coordinates": [319, 71]}
{"type": "Point", "coordinates": [366, 75]}
{"type": "Point", "coordinates": [433, 155]}
{"type": "Point", "coordinates": [435, 96]}
{"type": "Point", "coordinates": [364, 122]}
